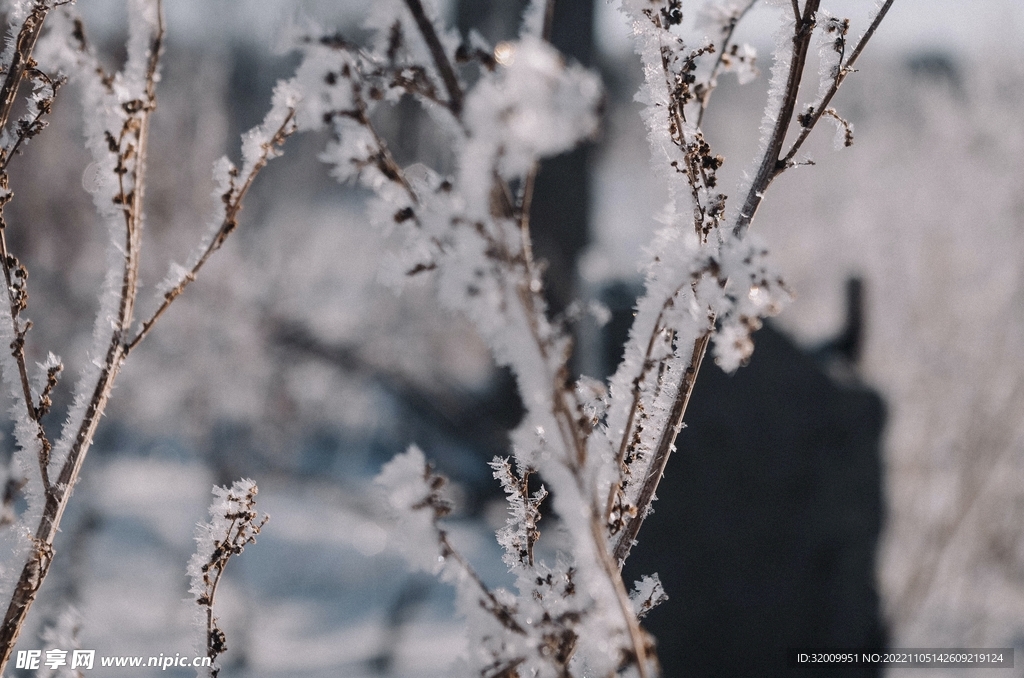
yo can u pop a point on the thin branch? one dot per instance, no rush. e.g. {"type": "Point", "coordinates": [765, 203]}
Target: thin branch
{"type": "Point", "coordinates": [665, 446]}
{"type": "Point", "coordinates": [382, 158]}
{"type": "Point", "coordinates": [497, 609]}
{"type": "Point", "coordinates": [24, 44]}
{"type": "Point", "coordinates": [563, 406]}
{"type": "Point", "coordinates": [17, 298]}
{"type": "Point", "coordinates": [563, 401]}
{"type": "Point", "coordinates": [437, 53]}
{"type": "Point", "coordinates": [525, 205]}
{"type": "Point", "coordinates": [821, 108]}
{"type": "Point", "coordinates": [38, 563]}
{"type": "Point", "coordinates": [611, 570]}
{"type": "Point", "coordinates": [627, 432]}
{"type": "Point", "coordinates": [207, 569]}
{"type": "Point", "coordinates": [28, 129]}
{"type": "Point", "coordinates": [386, 162]}
{"type": "Point", "coordinates": [716, 69]}
{"type": "Point", "coordinates": [21, 65]}
{"type": "Point", "coordinates": [771, 165]}
{"type": "Point", "coordinates": [862, 43]}
{"type": "Point", "coordinates": [230, 222]}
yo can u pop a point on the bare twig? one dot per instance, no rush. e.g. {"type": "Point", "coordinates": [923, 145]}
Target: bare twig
{"type": "Point", "coordinates": [437, 53]}
{"type": "Point", "coordinates": [207, 569]}
{"type": "Point", "coordinates": [665, 446]}
{"type": "Point", "coordinates": [716, 69]}
{"type": "Point", "coordinates": [821, 108]}
{"type": "Point", "coordinates": [136, 128]}
{"type": "Point", "coordinates": [233, 201]}
{"type": "Point", "coordinates": [771, 166]}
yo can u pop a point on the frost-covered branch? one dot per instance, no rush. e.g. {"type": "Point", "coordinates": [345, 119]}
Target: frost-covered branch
{"type": "Point", "coordinates": [791, 61]}
{"type": "Point", "coordinates": [17, 56]}
{"type": "Point", "coordinates": [469, 230]}
{"type": "Point", "coordinates": [730, 55]}
{"type": "Point", "coordinates": [20, 66]}
{"type": "Point", "coordinates": [427, 29]}
{"type": "Point", "coordinates": [773, 162]}
{"type": "Point", "coordinates": [842, 69]}
{"type": "Point", "coordinates": [601, 452]}
{"type": "Point", "coordinates": [235, 523]}
{"type": "Point", "coordinates": [721, 280]}
{"type": "Point", "coordinates": [413, 494]}
{"type": "Point", "coordinates": [629, 514]}
{"type": "Point", "coordinates": [118, 108]}
{"type": "Point", "coordinates": [268, 138]}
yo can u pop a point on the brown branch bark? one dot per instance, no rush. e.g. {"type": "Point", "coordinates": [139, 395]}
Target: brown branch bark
{"type": "Point", "coordinates": [666, 445]}
{"type": "Point", "coordinates": [821, 107]}
{"type": "Point", "coordinates": [771, 165]}
{"type": "Point", "coordinates": [25, 43]}
{"type": "Point", "coordinates": [437, 53]}
{"type": "Point", "coordinates": [37, 566]}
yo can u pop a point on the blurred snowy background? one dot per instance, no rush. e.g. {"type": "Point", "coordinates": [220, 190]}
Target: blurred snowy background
{"type": "Point", "coordinates": [292, 363]}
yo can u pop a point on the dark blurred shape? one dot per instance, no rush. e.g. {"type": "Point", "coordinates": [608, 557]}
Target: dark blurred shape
{"type": "Point", "coordinates": [767, 521]}
{"type": "Point", "coordinates": [619, 297]}
{"type": "Point", "coordinates": [413, 594]}
{"type": "Point", "coordinates": [454, 426]}
{"type": "Point", "coordinates": [937, 67]}
{"type": "Point", "coordinates": [845, 348]}
{"type": "Point", "coordinates": [496, 20]}
{"type": "Point", "coordinates": [559, 220]}
{"type": "Point", "coordinates": [560, 214]}
{"type": "Point", "coordinates": [572, 29]}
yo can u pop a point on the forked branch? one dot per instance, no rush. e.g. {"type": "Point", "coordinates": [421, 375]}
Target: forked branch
{"type": "Point", "coordinates": [129, 146]}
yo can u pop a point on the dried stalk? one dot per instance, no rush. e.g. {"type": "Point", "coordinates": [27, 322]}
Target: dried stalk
{"type": "Point", "coordinates": [243, 529]}
{"type": "Point", "coordinates": [131, 146]}
{"type": "Point", "coordinates": [772, 164]}
{"type": "Point", "coordinates": [437, 53]}
{"type": "Point", "coordinates": [35, 569]}
{"type": "Point", "coordinates": [770, 167]}
{"type": "Point", "coordinates": [717, 68]}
